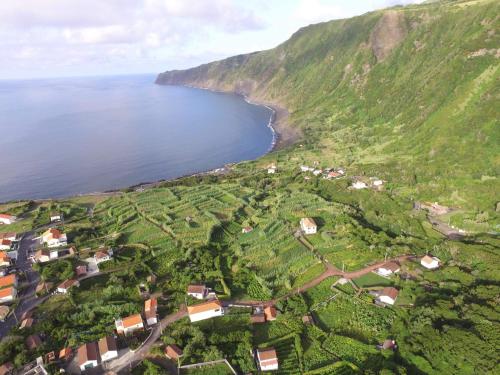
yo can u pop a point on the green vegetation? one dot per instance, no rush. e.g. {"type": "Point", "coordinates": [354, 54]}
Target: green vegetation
{"type": "Point", "coordinates": [421, 115]}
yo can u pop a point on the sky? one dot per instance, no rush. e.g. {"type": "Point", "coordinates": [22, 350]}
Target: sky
{"type": "Point", "coordinates": [60, 38]}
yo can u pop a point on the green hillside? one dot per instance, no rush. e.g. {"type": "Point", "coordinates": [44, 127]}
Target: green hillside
{"type": "Point", "coordinates": [408, 93]}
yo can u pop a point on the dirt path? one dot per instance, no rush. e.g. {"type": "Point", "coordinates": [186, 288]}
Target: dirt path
{"type": "Point", "coordinates": [330, 271]}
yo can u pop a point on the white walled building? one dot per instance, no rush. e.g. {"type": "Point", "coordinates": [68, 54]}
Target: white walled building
{"type": "Point", "coordinates": [205, 310]}
{"type": "Point", "coordinates": [308, 225]}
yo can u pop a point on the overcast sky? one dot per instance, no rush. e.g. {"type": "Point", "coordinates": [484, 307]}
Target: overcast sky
{"type": "Point", "coordinates": [55, 38]}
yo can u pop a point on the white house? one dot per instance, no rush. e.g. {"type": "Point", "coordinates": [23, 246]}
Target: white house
{"type": "Point", "coordinates": [304, 168]}
{"type": "Point", "coordinates": [205, 310]}
{"type": "Point", "coordinates": [5, 244]}
{"type": "Point", "coordinates": [107, 348]}
{"type": "Point", "coordinates": [377, 183]}
{"type": "Point", "coordinates": [150, 307]}
{"type": "Point", "coordinates": [317, 172]}
{"type": "Point", "coordinates": [88, 356]}
{"type": "Point", "coordinates": [197, 291]}
{"type": "Point", "coordinates": [55, 217]}
{"type": "Point", "coordinates": [359, 185]}
{"type": "Point", "coordinates": [267, 359]}
{"type": "Point", "coordinates": [429, 262]}
{"type": "Point", "coordinates": [308, 225]}
{"type": "Point", "coordinates": [8, 294]}
{"type": "Point", "coordinates": [7, 219]}
{"type": "Point", "coordinates": [129, 324]}
{"type": "Point", "coordinates": [54, 238]}
{"type": "Point", "coordinates": [65, 286]}
{"type": "Point", "coordinates": [103, 254]}
{"type": "Point", "coordinates": [271, 168]}
{"type": "Point", "coordinates": [54, 254]}
{"type": "Point", "coordinates": [388, 269]}
{"type": "Point", "coordinates": [388, 295]}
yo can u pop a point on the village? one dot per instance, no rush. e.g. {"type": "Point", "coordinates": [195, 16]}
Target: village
{"type": "Point", "coordinates": [112, 353]}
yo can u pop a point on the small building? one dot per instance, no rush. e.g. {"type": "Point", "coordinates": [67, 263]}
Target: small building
{"type": "Point", "coordinates": [388, 269]}
{"type": "Point", "coordinates": [9, 280]}
{"type": "Point", "coordinates": [50, 357]}
{"type": "Point", "coordinates": [129, 324]}
{"type": "Point", "coordinates": [56, 217]}
{"type": "Point", "coordinates": [54, 238]}
{"type": "Point", "coordinates": [267, 359]}
{"type": "Point", "coordinates": [103, 254]}
{"type": "Point", "coordinates": [26, 323]}
{"type": "Point", "coordinates": [317, 172]}
{"type": "Point", "coordinates": [271, 168]}
{"type": "Point", "coordinates": [33, 342]}
{"type": "Point", "coordinates": [81, 270]}
{"type": "Point", "coordinates": [304, 168]}
{"type": "Point", "coordinates": [388, 295]}
{"type": "Point", "coordinates": [4, 259]}
{"type": "Point", "coordinates": [308, 225]}
{"type": "Point", "coordinates": [54, 254]}
{"type": "Point", "coordinates": [270, 313]}
{"type": "Point", "coordinates": [7, 219]}
{"type": "Point", "coordinates": [65, 286]}
{"type": "Point", "coordinates": [5, 244]}
{"type": "Point", "coordinates": [150, 308]}
{"type": "Point", "coordinates": [173, 352]}
{"type": "Point", "coordinates": [12, 236]}
{"type": "Point", "coordinates": [107, 348]}
{"type": "Point", "coordinates": [197, 291]}
{"type": "Point", "coordinates": [430, 262]}
{"type": "Point", "coordinates": [359, 185]}
{"type": "Point", "coordinates": [376, 183]}
{"type": "Point", "coordinates": [258, 317]}
{"type": "Point", "coordinates": [7, 368]}
{"type": "Point", "coordinates": [65, 354]}
{"type": "Point", "coordinates": [245, 230]}
{"type": "Point", "coordinates": [88, 356]}
{"type": "Point", "coordinates": [205, 310]}
{"type": "Point", "coordinates": [42, 255]}
{"type": "Point", "coordinates": [8, 294]}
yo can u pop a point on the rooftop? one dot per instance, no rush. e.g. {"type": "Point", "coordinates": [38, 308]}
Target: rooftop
{"type": "Point", "coordinates": [205, 306]}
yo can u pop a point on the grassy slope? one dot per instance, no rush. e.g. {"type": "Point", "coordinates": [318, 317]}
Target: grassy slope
{"type": "Point", "coordinates": [424, 116]}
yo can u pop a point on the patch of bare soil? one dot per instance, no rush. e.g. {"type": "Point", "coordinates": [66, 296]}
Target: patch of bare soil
{"type": "Point", "coordinates": [388, 33]}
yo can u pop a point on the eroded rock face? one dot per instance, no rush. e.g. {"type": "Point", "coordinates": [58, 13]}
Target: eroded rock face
{"type": "Point", "coordinates": [388, 33]}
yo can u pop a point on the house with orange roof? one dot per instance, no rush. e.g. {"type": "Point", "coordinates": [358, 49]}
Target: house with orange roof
{"type": "Point", "coordinates": [205, 310]}
{"type": "Point", "coordinates": [4, 259]}
{"type": "Point", "coordinates": [107, 348]}
{"type": "Point", "coordinates": [65, 354]}
{"type": "Point", "coordinates": [197, 291]}
{"type": "Point", "coordinates": [267, 359]}
{"type": "Point", "coordinates": [7, 219]}
{"type": "Point", "coordinates": [88, 356]}
{"type": "Point", "coordinates": [8, 294]}
{"type": "Point", "coordinates": [129, 324]}
{"type": "Point", "coordinates": [388, 295]}
{"type": "Point", "coordinates": [173, 352]}
{"type": "Point", "coordinates": [9, 280]}
{"type": "Point", "coordinates": [150, 308]}
{"type": "Point", "coordinates": [308, 225]}
{"type": "Point", "coordinates": [103, 254]}
{"type": "Point", "coordinates": [54, 238]}
{"type": "Point", "coordinates": [8, 236]}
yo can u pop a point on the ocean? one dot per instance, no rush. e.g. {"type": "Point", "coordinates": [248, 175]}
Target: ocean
{"type": "Point", "coordinates": [69, 136]}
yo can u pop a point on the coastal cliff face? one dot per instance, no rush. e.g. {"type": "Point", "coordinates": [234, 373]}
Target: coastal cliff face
{"type": "Point", "coordinates": [410, 89]}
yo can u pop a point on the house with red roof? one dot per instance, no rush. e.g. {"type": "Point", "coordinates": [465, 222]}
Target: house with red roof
{"type": "Point", "coordinates": [388, 295]}
{"type": "Point", "coordinates": [7, 219]}
{"type": "Point", "coordinates": [54, 238]}
{"type": "Point", "coordinates": [267, 359]}
{"type": "Point", "coordinates": [129, 324]}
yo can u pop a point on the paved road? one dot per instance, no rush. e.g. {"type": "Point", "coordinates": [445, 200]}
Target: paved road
{"type": "Point", "coordinates": [27, 296]}
{"type": "Point", "coordinates": [131, 359]}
